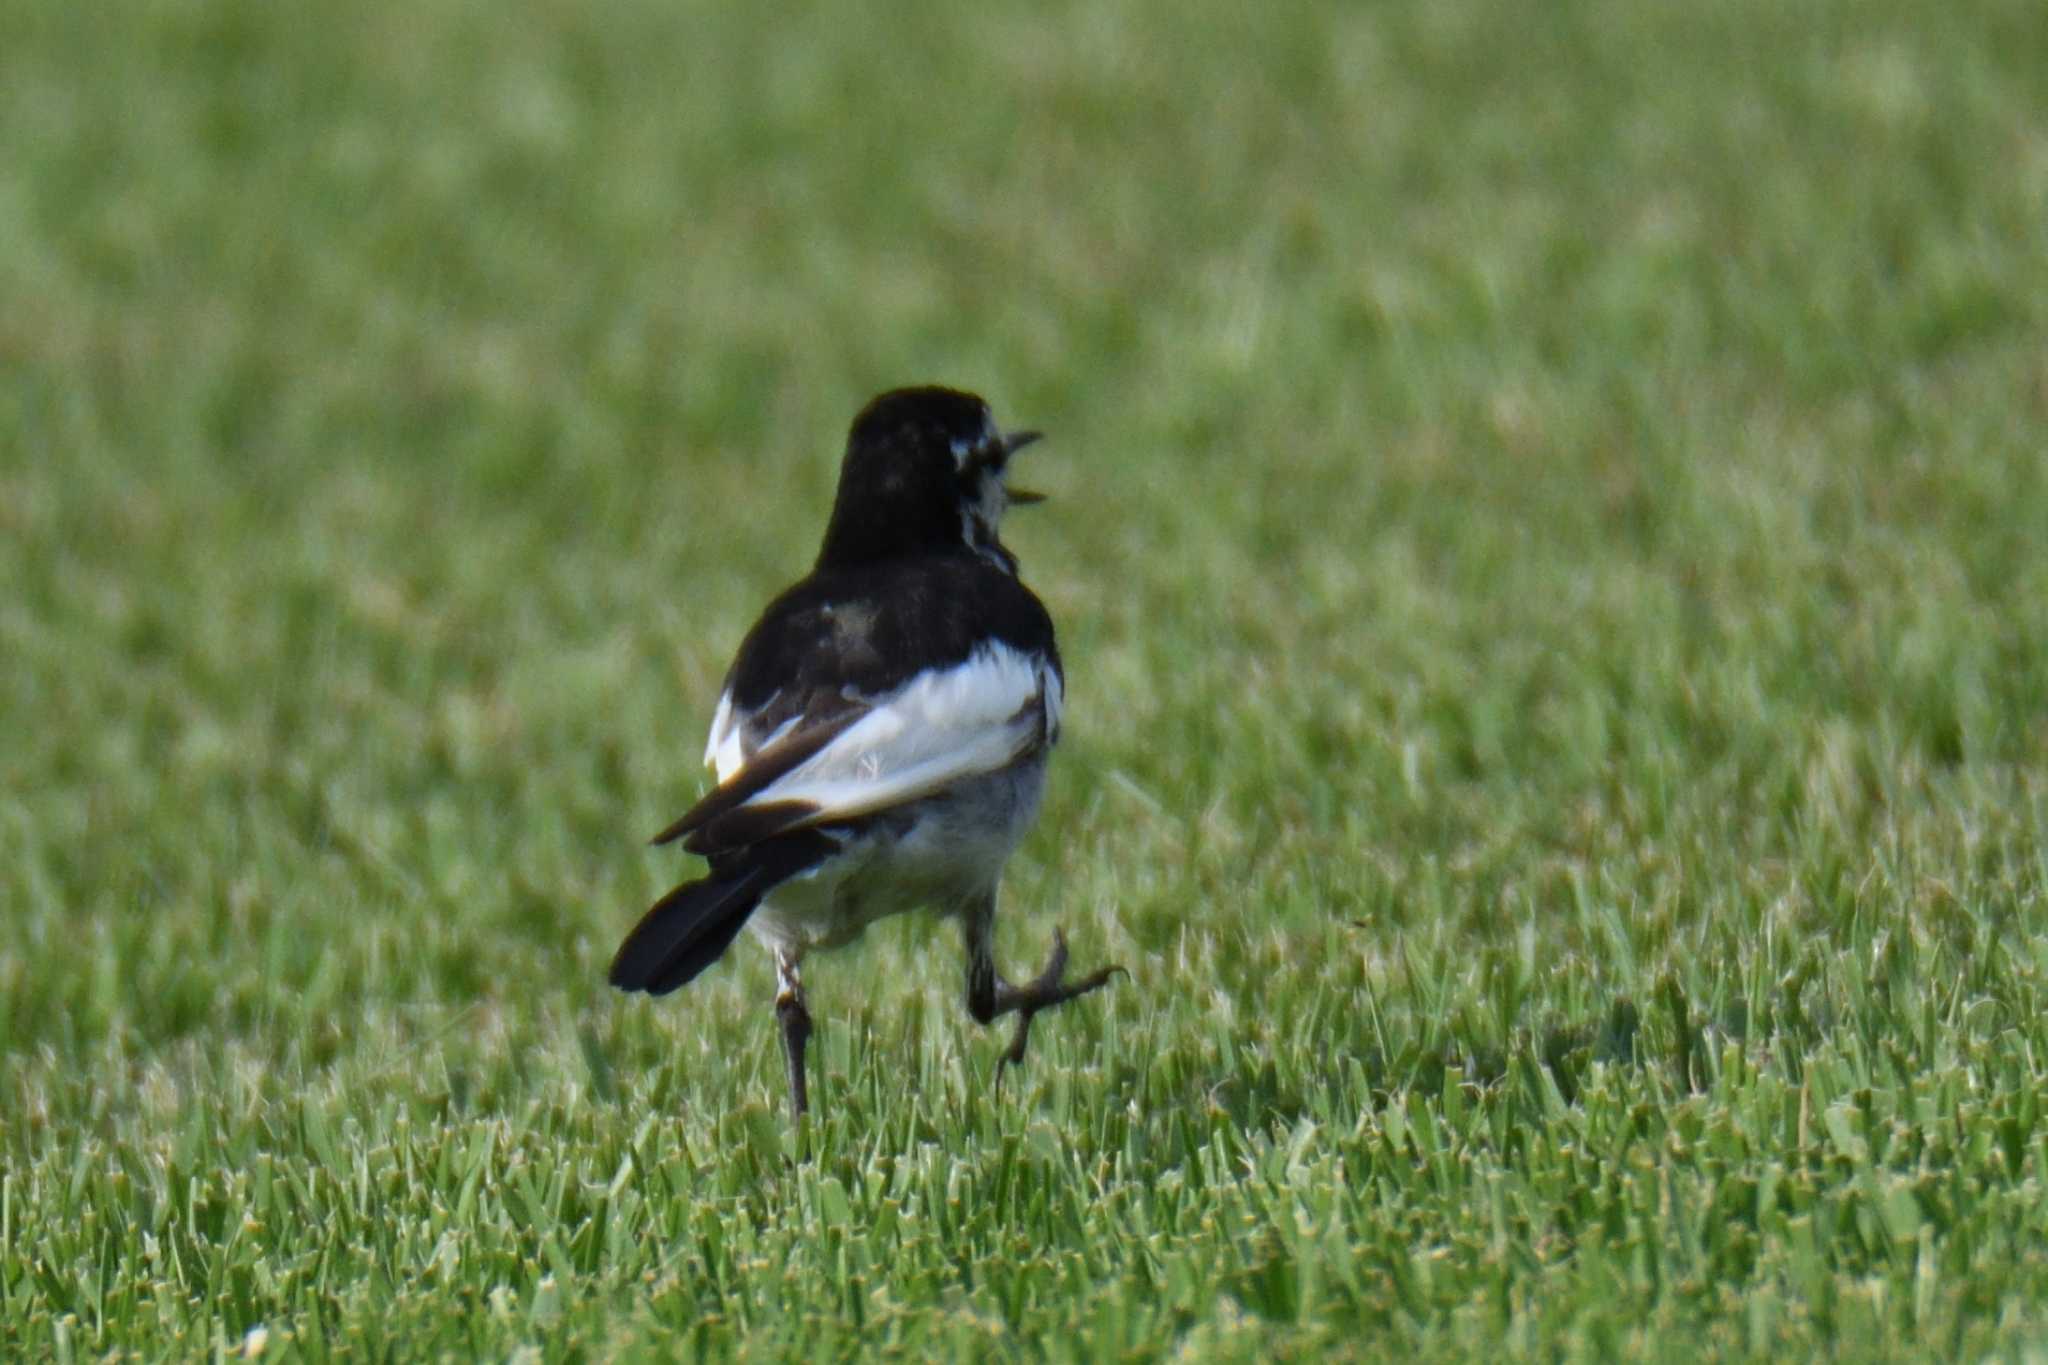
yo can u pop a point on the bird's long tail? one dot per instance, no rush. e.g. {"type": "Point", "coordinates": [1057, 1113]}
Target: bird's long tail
{"type": "Point", "coordinates": [691, 927]}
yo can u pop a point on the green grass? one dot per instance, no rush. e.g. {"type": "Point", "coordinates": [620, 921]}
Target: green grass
{"type": "Point", "coordinates": [1549, 545]}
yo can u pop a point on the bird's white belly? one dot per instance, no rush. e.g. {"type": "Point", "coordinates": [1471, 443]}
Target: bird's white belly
{"type": "Point", "coordinates": [941, 852]}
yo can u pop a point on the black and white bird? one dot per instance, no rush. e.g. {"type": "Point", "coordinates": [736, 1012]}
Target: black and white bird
{"type": "Point", "coordinates": [881, 740]}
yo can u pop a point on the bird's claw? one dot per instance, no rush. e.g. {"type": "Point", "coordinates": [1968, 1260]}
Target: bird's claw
{"type": "Point", "coordinates": [1044, 991]}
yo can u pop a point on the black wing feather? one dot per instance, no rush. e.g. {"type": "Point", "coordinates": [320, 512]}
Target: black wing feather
{"type": "Point", "coordinates": [764, 768]}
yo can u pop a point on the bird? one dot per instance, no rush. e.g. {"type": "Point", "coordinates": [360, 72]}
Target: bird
{"type": "Point", "coordinates": [880, 741]}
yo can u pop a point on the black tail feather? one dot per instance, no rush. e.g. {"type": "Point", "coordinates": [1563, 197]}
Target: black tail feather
{"type": "Point", "coordinates": [691, 927]}
{"type": "Point", "coordinates": [685, 931]}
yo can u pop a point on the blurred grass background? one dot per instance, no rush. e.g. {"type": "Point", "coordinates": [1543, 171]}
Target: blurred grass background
{"type": "Point", "coordinates": [1547, 545]}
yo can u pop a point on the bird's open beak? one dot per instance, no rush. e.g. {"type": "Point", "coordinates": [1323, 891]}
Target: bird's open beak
{"type": "Point", "coordinates": [1012, 443]}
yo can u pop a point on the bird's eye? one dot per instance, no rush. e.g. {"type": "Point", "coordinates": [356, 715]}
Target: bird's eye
{"type": "Point", "coordinates": [986, 458]}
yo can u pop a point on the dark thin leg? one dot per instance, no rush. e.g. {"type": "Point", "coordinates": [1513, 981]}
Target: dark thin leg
{"type": "Point", "coordinates": [796, 1031]}
{"type": "Point", "coordinates": [988, 995]}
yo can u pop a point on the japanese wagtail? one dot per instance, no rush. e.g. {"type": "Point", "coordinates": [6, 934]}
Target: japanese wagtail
{"type": "Point", "coordinates": [881, 739]}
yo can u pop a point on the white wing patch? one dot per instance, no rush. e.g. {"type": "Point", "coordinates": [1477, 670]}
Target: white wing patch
{"type": "Point", "coordinates": [940, 727]}
{"type": "Point", "coordinates": [722, 750]}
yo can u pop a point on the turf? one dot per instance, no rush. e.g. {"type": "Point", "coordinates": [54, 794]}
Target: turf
{"type": "Point", "coordinates": [1548, 542]}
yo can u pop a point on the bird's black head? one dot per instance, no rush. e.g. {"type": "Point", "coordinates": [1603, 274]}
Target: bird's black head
{"type": "Point", "coordinates": [924, 471]}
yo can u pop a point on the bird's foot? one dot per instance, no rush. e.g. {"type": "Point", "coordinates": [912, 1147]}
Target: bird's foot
{"type": "Point", "coordinates": [1043, 991]}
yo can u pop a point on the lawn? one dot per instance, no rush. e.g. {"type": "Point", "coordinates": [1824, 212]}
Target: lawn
{"type": "Point", "coordinates": [1547, 530]}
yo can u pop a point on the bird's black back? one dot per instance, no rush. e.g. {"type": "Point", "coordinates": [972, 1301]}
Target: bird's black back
{"type": "Point", "coordinates": [868, 630]}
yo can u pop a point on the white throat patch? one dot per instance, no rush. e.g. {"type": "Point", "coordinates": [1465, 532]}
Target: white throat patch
{"type": "Point", "coordinates": [980, 518]}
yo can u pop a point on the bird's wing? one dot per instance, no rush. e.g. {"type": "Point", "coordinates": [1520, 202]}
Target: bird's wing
{"type": "Point", "coordinates": [943, 725]}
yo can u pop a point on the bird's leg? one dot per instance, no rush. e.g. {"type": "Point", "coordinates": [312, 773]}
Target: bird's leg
{"type": "Point", "coordinates": [796, 1028]}
{"type": "Point", "coordinates": [989, 995]}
